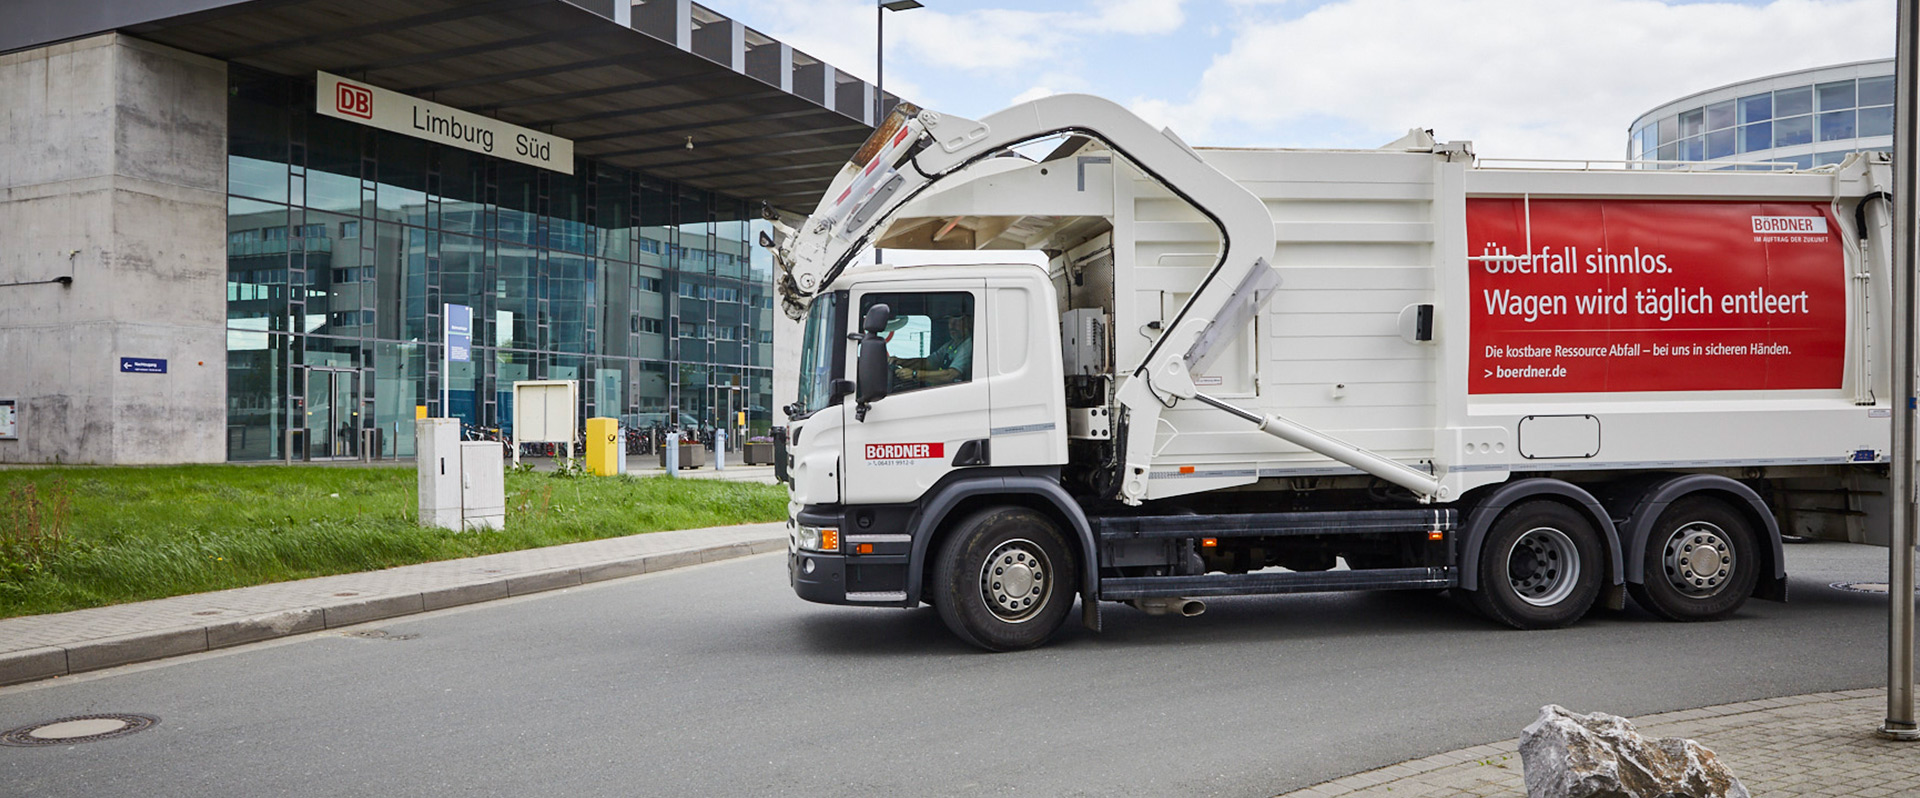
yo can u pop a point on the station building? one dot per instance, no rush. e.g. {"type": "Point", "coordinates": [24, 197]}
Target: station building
{"type": "Point", "coordinates": [1806, 118]}
{"type": "Point", "coordinates": [231, 229]}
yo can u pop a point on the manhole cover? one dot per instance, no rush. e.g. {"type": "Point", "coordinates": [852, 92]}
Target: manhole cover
{"type": "Point", "coordinates": [78, 729]}
{"type": "Point", "coordinates": [1877, 588]}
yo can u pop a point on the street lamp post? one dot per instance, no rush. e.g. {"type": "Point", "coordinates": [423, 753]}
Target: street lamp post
{"type": "Point", "coordinates": [880, 50]}
{"type": "Point", "coordinates": [1900, 723]}
{"type": "Point", "coordinates": [880, 10]}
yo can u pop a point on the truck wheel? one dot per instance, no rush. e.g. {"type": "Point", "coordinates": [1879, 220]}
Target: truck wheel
{"type": "Point", "coordinates": [1701, 562]}
{"type": "Point", "coordinates": [1004, 579]}
{"type": "Point", "coordinates": [1540, 567]}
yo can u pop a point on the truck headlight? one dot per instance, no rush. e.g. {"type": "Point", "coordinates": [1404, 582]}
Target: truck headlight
{"type": "Point", "coordinates": [813, 538]}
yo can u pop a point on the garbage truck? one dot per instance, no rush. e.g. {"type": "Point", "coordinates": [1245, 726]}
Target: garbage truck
{"type": "Point", "coordinates": [1541, 387]}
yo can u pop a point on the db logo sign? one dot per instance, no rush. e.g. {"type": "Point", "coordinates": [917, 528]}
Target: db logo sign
{"type": "Point", "coordinates": [353, 101]}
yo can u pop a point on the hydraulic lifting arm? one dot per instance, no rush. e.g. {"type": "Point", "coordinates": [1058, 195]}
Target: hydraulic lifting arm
{"type": "Point", "coordinates": [915, 149]}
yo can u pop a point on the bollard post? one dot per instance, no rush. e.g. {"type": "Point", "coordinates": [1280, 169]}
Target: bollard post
{"type": "Point", "coordinates": [720, 450]}
{"type": "Point", "coordinates": [672, 454]}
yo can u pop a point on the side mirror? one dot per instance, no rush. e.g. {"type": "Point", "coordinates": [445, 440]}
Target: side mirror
{"type": "Point", "coordinates": [871, 368]}
{"type": "Point", "coordinates": [766, 240]}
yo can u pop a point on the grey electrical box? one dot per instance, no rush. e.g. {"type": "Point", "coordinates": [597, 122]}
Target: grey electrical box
{"type": "Point", "coordinates": [483, 485]}
{"type": "Point", "coordinates": [462, 484]}
{"type": "Point", "coordinates": [437, 456]}
{"type": "Point", "coordinates": [1083, 342]}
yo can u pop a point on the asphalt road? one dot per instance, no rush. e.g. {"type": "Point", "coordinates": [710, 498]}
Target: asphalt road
{"type": "Point", "coordinates": [716, 680]}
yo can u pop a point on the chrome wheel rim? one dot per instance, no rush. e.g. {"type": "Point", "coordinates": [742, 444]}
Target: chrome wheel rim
{"type": "Point", "coordinates": [1016, 580]}
{"type": "Point", "coordinates": [1543, 566]}
{"type": "Point", "coordinates": [1698, 559]}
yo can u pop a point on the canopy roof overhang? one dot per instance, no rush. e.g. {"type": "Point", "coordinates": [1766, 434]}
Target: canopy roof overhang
{"type": "Point", "coordinates": [631, 86]}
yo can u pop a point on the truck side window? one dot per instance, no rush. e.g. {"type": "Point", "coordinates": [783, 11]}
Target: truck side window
{"type": "Point", "coordinates": [929, 341]}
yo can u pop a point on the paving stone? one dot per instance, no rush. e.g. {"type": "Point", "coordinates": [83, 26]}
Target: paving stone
{"type": "Point", "coordinates": [1815, 745]}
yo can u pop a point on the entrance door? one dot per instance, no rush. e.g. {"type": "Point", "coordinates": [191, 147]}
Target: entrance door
{"type": "Point", "coordinates": [333, 413]}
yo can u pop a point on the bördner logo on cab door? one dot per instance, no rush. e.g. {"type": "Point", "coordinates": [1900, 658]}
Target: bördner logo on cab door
{"type": "Point", "coordinates": [904, 451]}
{"type": "Point", "coordinates": [353, 100]}
{"type": "Point", "coordinates": [1816, 225]}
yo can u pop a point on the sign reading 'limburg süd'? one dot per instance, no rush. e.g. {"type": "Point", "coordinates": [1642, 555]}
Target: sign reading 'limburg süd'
{"type": "Point", "coordinates": [341, 98]}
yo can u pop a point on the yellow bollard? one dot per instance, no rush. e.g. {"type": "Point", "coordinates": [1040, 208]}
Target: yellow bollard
{"type": "Point", "coordinates": [603, 446]}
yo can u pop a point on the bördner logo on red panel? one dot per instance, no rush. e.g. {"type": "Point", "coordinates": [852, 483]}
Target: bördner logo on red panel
{"type": "Point", "coordinates": [353, 100]}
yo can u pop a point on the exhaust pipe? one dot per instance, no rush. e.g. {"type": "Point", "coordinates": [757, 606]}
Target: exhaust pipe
{"type": "Point", "coordinates": [1184, 607]}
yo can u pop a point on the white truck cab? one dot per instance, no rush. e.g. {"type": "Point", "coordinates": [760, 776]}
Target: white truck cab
{"type": "Point", "coordinates": [971, 366]}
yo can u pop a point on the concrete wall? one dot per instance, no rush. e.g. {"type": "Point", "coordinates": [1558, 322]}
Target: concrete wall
{"type": "Point", "coordinates": [113, 171]}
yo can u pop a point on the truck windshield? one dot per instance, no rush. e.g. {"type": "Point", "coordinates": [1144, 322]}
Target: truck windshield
{"type": "Point", "coordinates": [821, 347]}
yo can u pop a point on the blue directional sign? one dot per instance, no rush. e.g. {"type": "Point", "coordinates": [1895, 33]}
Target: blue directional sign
{"type": "Point", "coordinates": [143, 365]}
{"type": "Point", "coordinates": [459, 333]}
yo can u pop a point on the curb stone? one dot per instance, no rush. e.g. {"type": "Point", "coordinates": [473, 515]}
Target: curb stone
{"type": "Point", "coordinates": [44, 662]}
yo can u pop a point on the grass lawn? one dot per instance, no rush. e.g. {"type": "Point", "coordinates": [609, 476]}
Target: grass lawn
{"type": "Point", "coordinates": [136, 533]}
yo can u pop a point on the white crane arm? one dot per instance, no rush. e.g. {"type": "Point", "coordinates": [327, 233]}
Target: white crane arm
{"type": "Point", "coordinates": [915, 149]}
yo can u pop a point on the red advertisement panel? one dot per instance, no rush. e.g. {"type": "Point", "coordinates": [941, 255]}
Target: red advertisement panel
{"type": "Point", "coordinates": [1649, 295]}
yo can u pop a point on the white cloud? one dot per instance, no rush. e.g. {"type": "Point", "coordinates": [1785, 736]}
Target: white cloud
{"type": "Point", "coordinates": [1522, 78]}
{"type": "Point", "coordinates": [1133, 16]}
{"type": "Point", "coordinates": [1050, 84]}
{"type": "Point", "coordinates": [1034, 93]}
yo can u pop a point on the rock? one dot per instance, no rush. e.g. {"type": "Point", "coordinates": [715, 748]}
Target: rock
{"type": "Point", "coordinates": [1602, 756]}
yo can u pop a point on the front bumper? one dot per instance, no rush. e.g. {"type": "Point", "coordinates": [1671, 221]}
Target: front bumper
{"type": "Point", "coordinates": [876, 578]}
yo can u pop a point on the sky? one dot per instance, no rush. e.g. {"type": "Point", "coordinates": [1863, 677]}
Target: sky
{"type": "Point", "coordinates": [1519, 78]}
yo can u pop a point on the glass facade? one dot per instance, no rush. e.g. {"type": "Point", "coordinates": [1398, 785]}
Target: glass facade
{"type": "Point", "coordinates": [1805, 126]}
{"type": "Point", "coordinates": [344, 244]}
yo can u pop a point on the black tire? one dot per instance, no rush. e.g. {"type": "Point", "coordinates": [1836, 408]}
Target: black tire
{"type": "Point", "coordinates": [1540, 566]}
{"type": "Point", "coordinates": [1702, 560]}
{"type": "Point", "coordinates": [1034, 590]}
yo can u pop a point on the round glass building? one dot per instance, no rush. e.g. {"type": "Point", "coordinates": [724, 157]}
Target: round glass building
{"type": "Point", "coordinates": [1806, 118]}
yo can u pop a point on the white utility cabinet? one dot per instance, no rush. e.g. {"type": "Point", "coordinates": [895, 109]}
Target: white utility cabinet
{"type": "Point", "coordinates": [462, 484]}
{"type": "Point", "coordinates": [437, 455]}
{"type": "Point", "coordinates": [483, 485]}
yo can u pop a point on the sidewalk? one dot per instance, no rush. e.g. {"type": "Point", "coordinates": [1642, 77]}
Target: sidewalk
{"type": "Point", "coordinates": [1820, 744]}
{"type": "Point", "coordinates": [43, 646]}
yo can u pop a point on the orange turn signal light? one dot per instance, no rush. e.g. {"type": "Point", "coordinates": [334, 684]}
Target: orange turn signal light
{"type": "Point", "coordinates": [1186, 469]}
{"type": "Point", "coordinates": [1436, 535]}
{"type": "Point", "coordinates": [863, 548]}
{"type": "Point", "coordinates": [829, 540]}
{"type": "Point", "coordinates": [1209, 542]}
